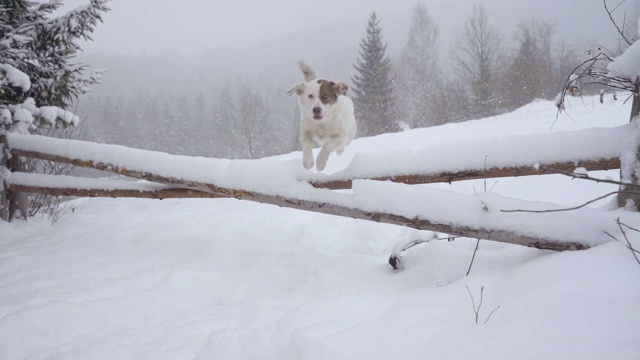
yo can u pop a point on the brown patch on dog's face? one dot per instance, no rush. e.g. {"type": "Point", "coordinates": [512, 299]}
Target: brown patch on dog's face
{"type": "Point", "coordinates": [328, 95]}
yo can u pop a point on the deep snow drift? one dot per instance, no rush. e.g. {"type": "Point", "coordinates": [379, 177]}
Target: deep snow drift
{"type": "Point", "coordinates": [225, 279]}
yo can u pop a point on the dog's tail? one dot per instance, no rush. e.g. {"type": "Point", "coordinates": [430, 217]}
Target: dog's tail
{"type": "Point", "coordinates": [307, 71]}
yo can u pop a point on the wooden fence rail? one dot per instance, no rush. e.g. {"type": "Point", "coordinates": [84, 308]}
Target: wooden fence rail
{"type": "Point", "coordinates": [477, 174]}
{"type": "Point", "coordinates": [488, 233]}
{"type": "Point", "coordinates": [133, 163]}
{"type": "Point", "coordinates": [186, 188]}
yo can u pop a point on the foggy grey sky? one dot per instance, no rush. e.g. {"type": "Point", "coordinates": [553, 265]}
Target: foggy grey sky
{"type": "Point", "coordinates": [187, 26]}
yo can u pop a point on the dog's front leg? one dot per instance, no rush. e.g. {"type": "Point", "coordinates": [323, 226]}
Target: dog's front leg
{"type": "Point", "coordinates": [306, 141]}
{"type": "Point", "coordinates": [323, 156]}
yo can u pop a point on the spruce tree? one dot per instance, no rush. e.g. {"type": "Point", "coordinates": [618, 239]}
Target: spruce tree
{"type": "Point", "coordinates": [44, 48]}
{"type": "Point", "coordinates": [38, 78]}
{"type": "Point", "coordinates": [373, 84]}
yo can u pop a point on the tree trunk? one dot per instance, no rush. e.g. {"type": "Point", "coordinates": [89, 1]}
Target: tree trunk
{"type": "Point", "coordinates": [631, 201]}
{"type": "Point", "coordinates": [17, 200]}
{"type": "Point", "coordinates": [4, 167]}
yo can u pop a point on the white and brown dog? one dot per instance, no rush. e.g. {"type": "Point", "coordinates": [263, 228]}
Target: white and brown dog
{"type": "Point", "coordinates": [326, 117]}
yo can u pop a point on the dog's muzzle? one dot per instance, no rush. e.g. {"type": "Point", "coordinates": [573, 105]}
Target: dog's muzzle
{"type": "Point", "coordinates": [317, 113]}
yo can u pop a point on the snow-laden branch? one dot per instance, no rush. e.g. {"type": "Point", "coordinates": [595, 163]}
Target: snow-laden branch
{"type": "Point", "coordinates": [9, 75]}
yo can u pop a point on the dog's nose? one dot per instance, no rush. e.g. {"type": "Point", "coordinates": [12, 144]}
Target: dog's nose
{"type": "Point", "coordinates": [317, 110]}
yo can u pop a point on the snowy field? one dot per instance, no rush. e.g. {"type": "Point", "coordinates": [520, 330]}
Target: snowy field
{"type": "Point", "coordinates": [226, 279]}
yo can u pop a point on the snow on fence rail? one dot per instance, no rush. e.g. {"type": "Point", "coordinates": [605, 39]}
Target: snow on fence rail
{"type": "Point", "coordinates": [287, 184]}
{"type": "Point", "coordinates": [538, 154]}
{"type": "Point", "coordinates": [63, 185]}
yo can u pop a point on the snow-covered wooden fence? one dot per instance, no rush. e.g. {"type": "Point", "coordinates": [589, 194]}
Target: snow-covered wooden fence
{"type": "Point", "coordinates": [286, 184]}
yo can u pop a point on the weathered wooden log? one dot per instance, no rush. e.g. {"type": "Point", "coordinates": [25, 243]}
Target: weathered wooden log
{"type": "Point", "coordinates": [449, 177]}
{"type": "Point", "coordinates": [220, 192]}
{"type": "Point", "coordinates": [158, 194]}
{"type": "Point", "coordinates": [4, 164]}
{"type": "Point", "coordinates": [323, 207]}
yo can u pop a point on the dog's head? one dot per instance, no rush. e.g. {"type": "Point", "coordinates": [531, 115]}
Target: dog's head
{"type": "Point", "coordinates": [316, 97]}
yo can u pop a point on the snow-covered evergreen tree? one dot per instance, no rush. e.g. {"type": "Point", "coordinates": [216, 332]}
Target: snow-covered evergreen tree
{"type": "Point", "coordinates": [373, 84]}
{"type": "Point", "coordinates": [37, 76]}
{"type": "Point", "coordinates": [44, 47]}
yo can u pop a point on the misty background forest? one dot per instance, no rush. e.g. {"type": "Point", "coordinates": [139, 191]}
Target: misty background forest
{"type": "Point", "coordinates": [232, 103]}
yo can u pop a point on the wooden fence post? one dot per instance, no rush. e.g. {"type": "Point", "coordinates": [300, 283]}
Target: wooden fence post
{"type": "Point", "coordinates": [11, 201]}
{"type": "Point", "coordinates": [12, 196]}
{"type": "Point", "coordinates": [624, 198]}
{"type": "Point", "coordinates": [4, 168]}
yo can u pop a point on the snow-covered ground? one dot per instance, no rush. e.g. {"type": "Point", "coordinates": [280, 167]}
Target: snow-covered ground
{"type": "Point", "coordinates": [226, 279]}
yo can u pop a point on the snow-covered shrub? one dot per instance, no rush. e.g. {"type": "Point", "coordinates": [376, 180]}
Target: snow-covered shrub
{"type": "Point", "coordinates": [618, 74]}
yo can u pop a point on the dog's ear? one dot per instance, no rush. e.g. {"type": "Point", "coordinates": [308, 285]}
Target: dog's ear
{"type": "Point", "coordinates": [341, 88]}
{"type": "Point", "coordinates": [298, 89]}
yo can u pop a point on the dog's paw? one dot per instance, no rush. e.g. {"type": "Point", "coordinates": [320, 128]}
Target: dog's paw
{"type": "Point", "coordinates": [307, 162]}
{"type": "Point", "coordinates": [321, 162]}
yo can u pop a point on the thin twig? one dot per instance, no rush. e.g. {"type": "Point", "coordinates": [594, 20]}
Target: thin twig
{"type": "Point", "coordinates": [566, 209]}
{"type": "Point", "coordinates": [620, 31]}
{"type": "Point", "coordinates": [473, 257]}
{"type": "Point", "coordinates": [583, 177]}
{"type": "Point", "coordinates": [413, 243]}
{"type": "Point", "coordinates": [628, 227]}
{"type": "Point", "coordinates": [480, 303]}
{"type": "Point", "coordinates": [587, 177]}
{"type": "Point", "coordinates": [633, 250]}
{"type": "Point", "coordinates": [476, 310]}
{"type": "Point", "coordinates": [473, 301]}
{"type": "Point", "coordinates": [611, 236]}
{"type": "Point", "coordinates": [491, 313]}
{"type": "Point", "coordinates": [494, 185]}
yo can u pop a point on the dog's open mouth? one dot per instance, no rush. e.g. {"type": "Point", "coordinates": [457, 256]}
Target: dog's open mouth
{"type": "Point", "coordinates": [318, 117]}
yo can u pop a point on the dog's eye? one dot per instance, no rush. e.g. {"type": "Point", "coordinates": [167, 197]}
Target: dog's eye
{"type": "Point", "coordinates": [310, 96]}
{"type": "Point", "coordinates": [324, 98]}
